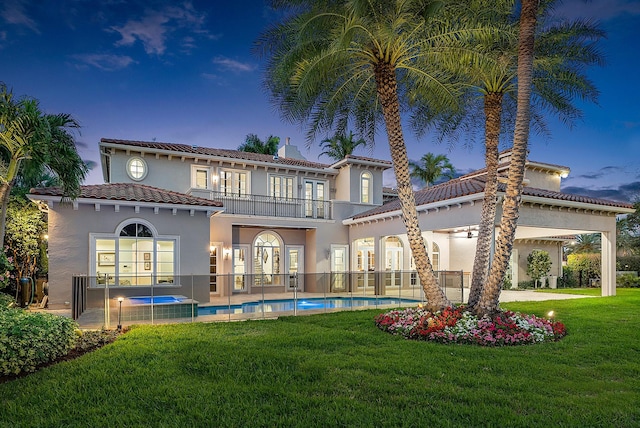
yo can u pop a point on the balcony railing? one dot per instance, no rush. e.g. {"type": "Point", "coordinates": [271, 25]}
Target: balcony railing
{"type": "Point", "coordinates": [273, 206]}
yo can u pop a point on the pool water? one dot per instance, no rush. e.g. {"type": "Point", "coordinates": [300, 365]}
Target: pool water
{"type": "Point", "coordinates": [289, 305]}
{"type": "Point", "coordinates": [147, 300]}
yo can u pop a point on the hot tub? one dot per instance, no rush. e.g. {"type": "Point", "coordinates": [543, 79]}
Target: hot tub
{"type": "Point", "coordinates": [140, 308]}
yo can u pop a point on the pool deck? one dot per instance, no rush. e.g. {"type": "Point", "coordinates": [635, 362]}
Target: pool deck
{"type": "Point", "coordinates": [94, 318]}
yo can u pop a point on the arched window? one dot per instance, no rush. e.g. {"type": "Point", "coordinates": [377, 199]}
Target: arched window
{"type": "Point", "coordinates": [134, 255]}
{"type": "Point", "coordinates": [267, 253]}
{"type": "Point", "coordinates": [365, 187]}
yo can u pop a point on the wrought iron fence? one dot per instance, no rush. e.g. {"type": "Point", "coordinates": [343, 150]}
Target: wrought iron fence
{"type": "Point", "coordinates": [274, 206]}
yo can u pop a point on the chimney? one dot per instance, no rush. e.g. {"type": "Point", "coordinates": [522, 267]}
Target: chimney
{"type": "Point", "coordinates": [290, 151]}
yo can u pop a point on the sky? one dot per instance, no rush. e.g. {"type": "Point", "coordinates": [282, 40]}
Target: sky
{"type": "Point", "coordinates": [186, 72]}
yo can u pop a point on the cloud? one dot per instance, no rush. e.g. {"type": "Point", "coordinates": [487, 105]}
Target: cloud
{"type": "Point", "coordinates": [14, 12]}
{"type": "Point", "coordinates": [155, 26]}
{"type": "Point", "coordinates": [602, 172]}
{"type": "Point", "coordinates": [601, 10]}
{"type": "Point", "coordinates": [623, 193]}
{"type": "Point", "coordinates": [232, 65]}
{"type": "Point", "coordinates": [105, 62]}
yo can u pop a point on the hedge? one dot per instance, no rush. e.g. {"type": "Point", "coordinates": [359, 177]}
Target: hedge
{"type": "Point", "coordinates": [29, 339]}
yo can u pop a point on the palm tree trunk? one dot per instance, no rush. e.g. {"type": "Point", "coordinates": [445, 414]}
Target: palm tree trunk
{"type": "Point", "coordinates": [489, 299]}
{"type": "Point", "coordinates": [5, 192]}
{"type": "Point", "coordinates": [492, 112]}
{"type": "Point", "coordinates": [388, 95]}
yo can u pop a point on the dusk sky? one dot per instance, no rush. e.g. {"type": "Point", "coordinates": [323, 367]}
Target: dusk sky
{"type": "Point", "coordinates": [184, 72]}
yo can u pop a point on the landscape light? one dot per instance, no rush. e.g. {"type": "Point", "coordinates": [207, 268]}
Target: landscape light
{"type": "Point", "coordinates": [120, 300]}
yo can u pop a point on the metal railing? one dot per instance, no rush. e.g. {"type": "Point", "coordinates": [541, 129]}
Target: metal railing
{"type": "Point", "coordinates": [274, 206]}
{"type": "Point", "coordinates": [194, 298]}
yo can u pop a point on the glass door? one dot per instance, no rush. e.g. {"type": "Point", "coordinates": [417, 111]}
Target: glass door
{"type": "Point", "coordinates": [295, 267]}
{"type": "Point", "coordinates": [314, 195]}
{"type": "Point", "coordinates": [240, 269]}
{"type": "Point", "coordinates": [339, 267]}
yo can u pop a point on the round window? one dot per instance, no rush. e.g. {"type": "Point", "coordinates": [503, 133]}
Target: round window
{"type": "Point", "coordinates": [137, 168]}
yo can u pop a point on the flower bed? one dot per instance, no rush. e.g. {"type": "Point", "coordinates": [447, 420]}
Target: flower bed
{"type": "Point", "coordinates": [455, 325]}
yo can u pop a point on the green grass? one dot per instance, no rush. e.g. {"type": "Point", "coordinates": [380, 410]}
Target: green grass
{"type": "Point", "coordinates": [339, 370]}
{"type": "Point", "coordinates": [581, 291]}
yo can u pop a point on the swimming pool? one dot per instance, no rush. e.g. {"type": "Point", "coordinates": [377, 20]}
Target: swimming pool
{"type": "Point", "coordinates": [290, 305]}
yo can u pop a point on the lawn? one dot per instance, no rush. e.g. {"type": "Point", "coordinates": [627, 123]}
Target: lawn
{"type": "Point", "coordinates": [339, 370]}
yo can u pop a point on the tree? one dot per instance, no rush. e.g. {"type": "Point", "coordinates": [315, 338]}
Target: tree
{"type": "Point", "coordinates": [28, 134]}
{"type": "Point", "coordinates": [585, 243]}
{"type": "Point", "coordinates": [25, 230]}
{"type": "Point", "coordinates": [341, 145]}
{"type": "Point", "coordinates": [628, 233]}
{"type": "Point", "coordinates": [562, 50]}
{"type": "Point", "coordinates": [253, 144]}
{"type": "Point", "coordinates": [538, 264]}
{"type": "Point", "coordinates": [432, 167]}
{"type": "Point", "coordinates": [489, 298]}
{"type": "Point", "coordinates": [332, 62]}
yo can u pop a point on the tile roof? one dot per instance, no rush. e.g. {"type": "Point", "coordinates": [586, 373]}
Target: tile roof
{"type": "Point", "coordinates": [130, 192]}
{"type": "Point", "coordinates": [469, 186]}
{"type": "Point", "coordinates": [209, 151]}
{"type": "Point", "coordinates": [366, 159]}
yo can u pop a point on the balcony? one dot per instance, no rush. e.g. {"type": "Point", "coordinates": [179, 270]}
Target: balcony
{"type": "Point", "coordinates": [260, 205]}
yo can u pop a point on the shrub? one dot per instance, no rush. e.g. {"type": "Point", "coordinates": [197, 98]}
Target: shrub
{"type": "Point", "coordinates": [628, 263]}
{"type": "Point", "coordinates": [628, 281]}
{"type": "Point", "coordinates": [569, 278]}
{"type": "Point", "coordinates": [29, 339]}
{"type": "Point", "coordinates": [93, 339]}
{"type": "Point", "coordinates": [585, 264]}
{"type": "Point", "coordinates": [6, 266]}
{"type": "Point", "coordinates": [526, 284]}
{"type": "Point", "coordinates": [6, 301]}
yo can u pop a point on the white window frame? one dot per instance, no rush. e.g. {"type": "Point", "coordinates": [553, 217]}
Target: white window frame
{"type": "Point", "coordinates": [367, 177]}
{"type": "Point", "coordinates": [194, 177]}
{"type": "Point", "coordinates": [283, 194]}
{"type": "Point", "coordinates": [143, 165]}
{"type": "Point", "coordinates": [116, 237]}
{"type": "Point", "coordinates": [235, 182]}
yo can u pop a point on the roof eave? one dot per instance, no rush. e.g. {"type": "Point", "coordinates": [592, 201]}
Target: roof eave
{"type": "Point", "coordinates": [50, 200]}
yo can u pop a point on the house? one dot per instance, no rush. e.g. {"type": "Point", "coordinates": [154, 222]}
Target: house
{"type": "Point", "coordinates": [225, 222]}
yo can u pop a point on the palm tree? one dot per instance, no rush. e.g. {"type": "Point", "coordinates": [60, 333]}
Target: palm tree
{"type": "Point", "coordinates": [367, 60]}
{"type": "Point", "coordinates": [432, 167]}
{"type": "Point", "coordinates": [253, 144]}
{"type": "Point", "coordinates": [586, 243]}
{"type": "Point", "coordinates": [341, 146]}
{"type": "Point", "coordinates": [26, 133]}
{"type": "Point", "coordinates": [561, 51]}
{"type": "Point", "coordinates": [488, 302]}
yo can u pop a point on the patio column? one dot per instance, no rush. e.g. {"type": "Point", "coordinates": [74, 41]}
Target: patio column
{"type": "Point", "coordinates": [608, 261]}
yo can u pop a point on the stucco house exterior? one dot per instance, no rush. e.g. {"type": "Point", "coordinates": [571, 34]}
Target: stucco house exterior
{"type": "Point", "coordinates": [171, 211]}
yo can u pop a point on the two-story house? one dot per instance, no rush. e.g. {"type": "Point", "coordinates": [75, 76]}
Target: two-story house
{"type": "Point", "coordinates": [224, 222]}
